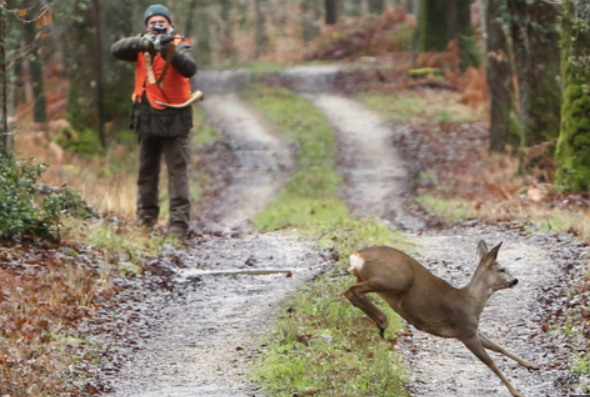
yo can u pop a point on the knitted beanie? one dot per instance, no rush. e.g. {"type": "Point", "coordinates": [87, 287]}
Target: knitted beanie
{"type": "Point", "coordinates": [157, 9]}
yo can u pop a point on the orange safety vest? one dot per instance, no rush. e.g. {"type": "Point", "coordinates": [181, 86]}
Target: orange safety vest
{"type": "Point", "coordinates": [175, 89]}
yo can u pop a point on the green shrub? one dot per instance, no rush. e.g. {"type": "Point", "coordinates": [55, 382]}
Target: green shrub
{"type": "Point", "coordinates": [86, 143]}
{"type": "Point", "coordinates": [27, 207]}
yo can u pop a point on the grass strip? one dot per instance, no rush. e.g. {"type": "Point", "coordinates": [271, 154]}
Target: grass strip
{"type": "Point", "coordinates": [409, 107]}
{"type": "Point", "coordinates": [320, 345]}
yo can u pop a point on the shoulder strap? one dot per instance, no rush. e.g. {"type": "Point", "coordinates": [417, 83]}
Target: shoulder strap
{"type": "Point", "coordinates": [169, 56]}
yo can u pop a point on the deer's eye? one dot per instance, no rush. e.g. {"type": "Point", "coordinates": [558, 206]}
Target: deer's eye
{"type": "Point", "coordinates": [502, 270]}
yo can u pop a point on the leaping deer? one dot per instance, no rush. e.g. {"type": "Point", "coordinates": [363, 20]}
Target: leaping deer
{"type": "Point", "coordinates": [429, 303]}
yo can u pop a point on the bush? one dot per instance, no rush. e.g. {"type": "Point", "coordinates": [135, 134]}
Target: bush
{"type": "Point", "coordinates": [27, 209]}
{"type": "Point", "coordinates": [85, 142]}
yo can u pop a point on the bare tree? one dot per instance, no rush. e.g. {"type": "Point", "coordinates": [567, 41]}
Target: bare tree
{"type": "Point", "coordinates": [376, 6]}
{"type": "Point", "coordinates": [331, 12]}
{"type": "Point", "coordinates": [4, 134]}
{"type": "Point", "coordinates": [35, 65]}
{"type": "Point", "coordinates": [504, 127]}
{"type": "Point", "coordinates": [98, 73]}
{"type": "Point", "coordinates": [188, 30]}
{"type": "Point", "coordinates": [260, 29]}
{"type": "Point", "coordinates": [227, 46]}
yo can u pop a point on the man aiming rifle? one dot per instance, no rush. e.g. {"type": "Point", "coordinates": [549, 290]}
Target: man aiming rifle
{"type": "Point", "coordinates": [162, 115]}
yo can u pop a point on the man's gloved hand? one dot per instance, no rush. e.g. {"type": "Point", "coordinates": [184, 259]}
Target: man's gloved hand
{"type": "Point", "coordinates": [148, 42]}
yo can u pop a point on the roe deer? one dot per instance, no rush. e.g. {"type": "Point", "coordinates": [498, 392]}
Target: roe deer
{"type": "Point", "coordinates": [429, 303]}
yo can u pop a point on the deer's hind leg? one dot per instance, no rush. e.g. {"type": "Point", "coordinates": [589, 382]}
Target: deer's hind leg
{"type": "Point", "coordinates": [493, 346]}
{"type": "Point", "coordinates": [356, 295]}
{"type": "Point", "coordinates": [475, 345]}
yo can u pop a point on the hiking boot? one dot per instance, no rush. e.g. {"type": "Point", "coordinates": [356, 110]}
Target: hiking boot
{"type": "Point", "coordinates": [146, 225]}
{"type": "Point", "coordinates": [179, 232]}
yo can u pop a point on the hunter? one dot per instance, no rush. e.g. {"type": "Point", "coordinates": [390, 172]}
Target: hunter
{"type": "Point", "coordinates": [164, 64]}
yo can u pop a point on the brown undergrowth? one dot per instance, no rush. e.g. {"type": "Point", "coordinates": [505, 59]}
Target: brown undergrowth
{"type": "Point", "coordinates": [44, 293]}
{"type": "Point", "coordinates": [452, 161]}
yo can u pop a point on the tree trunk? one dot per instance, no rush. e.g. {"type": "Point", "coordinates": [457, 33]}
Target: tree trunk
{"type": "Point", "coordinates": [82, 100]}
{"type": "Point", "coordinates": [442, 21]}
{"type": "Point", "coordinates": [432, 28]}
{"type": "Point", "coordinates": [5, 140]}
{"type": "Point", "coordinates": [35, 66]}
{"type": "Point", "coordinates": [572, 153]}
{"type": "Point", "coordinates": [188, 29]}
{"type": "Point", "coordinates": [203, 34]}
{"type": "Point", "coordinates": [98, 73]}
{"type": "Point", "coordinates": [19, 78]}
{"type": "Point", "coordinates": [356, 8]}
{"type": "Point", "coordinates": [260, 29]}
{"type": "Point", "coordinates": [331, 12]}
{"type": "Point", "coordinates": [452, 19]}
{"type": "Point", "coordinates": [227, 41]}
{"type": "Point", "coordinates": [535, 35]}
{"type": "Point", "coordinates": [311, 11]}
{"type": "Point", "coordinates": [504, 127]}
{"type": "Point", "coordinates": [376, 6]}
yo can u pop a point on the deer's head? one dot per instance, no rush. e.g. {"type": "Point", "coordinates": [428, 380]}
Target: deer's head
{"type": "Point", "coordinates": [496, 276]}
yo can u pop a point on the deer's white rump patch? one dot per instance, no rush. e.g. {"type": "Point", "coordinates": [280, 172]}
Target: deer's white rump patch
{"type": "Point", "coordinates": [356, 262]}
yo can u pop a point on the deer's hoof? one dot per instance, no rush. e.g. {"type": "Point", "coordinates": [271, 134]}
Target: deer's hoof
{"type": "Point", "coordinates": [532, 366]}
{"type": "Point", "coordinates": [382, 332]}
{"type": "Point", "coordinates": [517, 394]}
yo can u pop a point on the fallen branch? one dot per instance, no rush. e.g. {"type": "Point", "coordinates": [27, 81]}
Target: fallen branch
{"type": "Point", "coordinates": [196, 274]}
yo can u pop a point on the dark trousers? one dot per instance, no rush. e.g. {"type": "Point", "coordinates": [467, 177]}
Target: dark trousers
{"type": "Point", "coordinates": [176, 153]}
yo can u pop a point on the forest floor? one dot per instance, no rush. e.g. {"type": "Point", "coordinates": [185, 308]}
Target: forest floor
{"type": "Point", "coordinates": [181, 327]}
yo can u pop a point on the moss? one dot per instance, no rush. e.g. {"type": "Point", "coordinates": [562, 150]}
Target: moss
{"type": "Point", "coordinates": [423, 72]}
{"type": "Point", "coordinates": [572, 152]}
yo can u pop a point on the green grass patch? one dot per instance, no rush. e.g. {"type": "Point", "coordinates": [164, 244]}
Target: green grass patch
{"type": "Point", "coordinates": [405, 107]}
{"type": "Point", "coordinates": [203, 133]}
{"type": "Point", "coordinates": [127, 246]}
{"type": "Point", "coordinates": [451, 210]}
{"type": "Point", "coordinates": [323, 346]}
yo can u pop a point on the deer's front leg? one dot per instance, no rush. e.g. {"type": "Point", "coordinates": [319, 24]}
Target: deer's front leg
{"type": "Point", "coordinates": [475, 345]}
{"type": "Point", "coordinates": [355, 294]}
{"type": "Point", "coordinates": [491, 345]}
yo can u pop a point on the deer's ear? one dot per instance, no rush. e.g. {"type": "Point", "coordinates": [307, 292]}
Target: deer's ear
{"type": "Point", "coordinates": [493, 254]}
{"type": "Point", "coordinates": [482, 250]}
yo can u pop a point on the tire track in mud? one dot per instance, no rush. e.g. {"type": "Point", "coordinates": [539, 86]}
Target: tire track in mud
{"type": "Point", "coordinates": [437, 367]}
{"type": "Point", "coordinates": [264, 161]}
{"type": "Point", "coordinates": [374, 184]}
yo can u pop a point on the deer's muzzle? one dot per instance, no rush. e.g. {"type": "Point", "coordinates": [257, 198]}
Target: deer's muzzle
{"type": "Point", "coordinates": [513, 283]}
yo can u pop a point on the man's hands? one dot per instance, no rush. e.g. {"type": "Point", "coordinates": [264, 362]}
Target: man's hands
{"type": "Point", "coordinates": [151, 42]}
{"type": "Point", "coordinates": [147, 42]}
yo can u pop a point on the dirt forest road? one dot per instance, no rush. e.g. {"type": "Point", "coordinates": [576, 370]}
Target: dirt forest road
{"type": "Point", "coordinates": [202, 343]}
